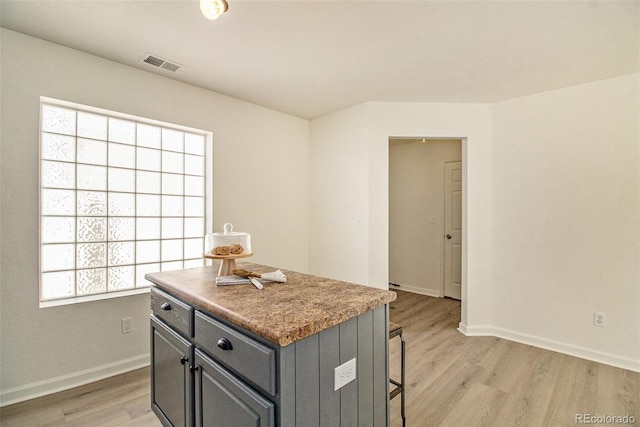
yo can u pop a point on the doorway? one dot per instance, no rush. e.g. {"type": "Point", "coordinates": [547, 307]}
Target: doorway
{"type": "Point", "coordinates": [417, 217]}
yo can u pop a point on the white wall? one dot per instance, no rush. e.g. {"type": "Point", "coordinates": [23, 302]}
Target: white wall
{"type": "Point", "coordinates": [260, 184]}
{"type": "Point", "coordinates": [339, 197]}
{"type": "Point", "coordinates": [416, 213]}
{"type": "Point", "coordinates": [355, 143]}
{"type": "Point", "coordinates": [566, 219]}
{"type": "Point", "coordinates": [551, 210]}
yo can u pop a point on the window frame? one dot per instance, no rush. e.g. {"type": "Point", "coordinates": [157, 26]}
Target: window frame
{"type": "Point", "coordinates": [108, 114]}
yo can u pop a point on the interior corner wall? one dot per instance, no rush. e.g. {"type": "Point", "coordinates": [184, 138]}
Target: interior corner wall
{"type": "Point", "coordinates": [44, 350]}
{"type": "Point", "coordinates": [566, 215]}
{"type": "Point", "coordinates": [551, 206]}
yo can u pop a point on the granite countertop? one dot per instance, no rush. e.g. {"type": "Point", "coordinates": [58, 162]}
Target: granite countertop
{"type": "Point", "coordinates": [281, 312]}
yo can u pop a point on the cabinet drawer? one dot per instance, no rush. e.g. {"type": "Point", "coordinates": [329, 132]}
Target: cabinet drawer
{"type": "Point", "coordinates": [172, 311]}
{"type": "Point", "coordinates": [247, 357]}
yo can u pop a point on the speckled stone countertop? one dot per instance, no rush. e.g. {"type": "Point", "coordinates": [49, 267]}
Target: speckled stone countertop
{"type": "Point", "coordinates": [280, 312]}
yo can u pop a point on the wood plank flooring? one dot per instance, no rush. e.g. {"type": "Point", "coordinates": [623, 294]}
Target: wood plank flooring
{"type": "Point", "coordinates": [122, 400]}
{"type": "Point", "coordinates": [452, 380]}
{"type": "Point", "coordinates": [459, 381]}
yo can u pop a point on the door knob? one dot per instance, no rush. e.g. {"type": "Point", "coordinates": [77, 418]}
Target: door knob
{"type": "Point", "coordinates": [448, 236]}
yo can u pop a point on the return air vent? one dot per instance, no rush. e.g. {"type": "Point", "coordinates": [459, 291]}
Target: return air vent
{"type": "Point", "coordinates": [159, 62]}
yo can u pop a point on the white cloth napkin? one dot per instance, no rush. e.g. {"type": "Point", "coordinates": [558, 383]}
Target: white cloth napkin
{"type": "Point", "coordinates": [276, 276]}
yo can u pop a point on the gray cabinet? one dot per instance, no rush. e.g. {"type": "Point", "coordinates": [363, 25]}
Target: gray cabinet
{"type": "Point", "coordinates": [223, 400]}
{"type": "Point", "coordinates": [171, 379]}
{"type": "Point", "coordinates": [190, 387]}
{"type": "Point", "coordinates": [209, 372]}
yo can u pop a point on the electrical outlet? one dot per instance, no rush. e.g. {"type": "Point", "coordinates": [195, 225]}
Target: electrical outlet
{"type": "Point", "coordinates": [344, 374]}
{"type": "Point", "coordinates": [126, 325]}
{"type": "Point", "coordinates": [599, 319]}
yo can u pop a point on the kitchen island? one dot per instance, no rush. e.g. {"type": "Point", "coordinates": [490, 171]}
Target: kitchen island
{"type": "Point", "coordinates": [311, 351]}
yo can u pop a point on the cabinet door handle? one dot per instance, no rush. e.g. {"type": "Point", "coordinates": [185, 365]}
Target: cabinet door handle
{"type": "Point", "coordinates": [165, 306]}
{"type": "Point", "coordinates": [225, 344]}
{"type": "Point", "coordinates": [193, 368]}
{"type": "Point", "coordinates": [184, 359]}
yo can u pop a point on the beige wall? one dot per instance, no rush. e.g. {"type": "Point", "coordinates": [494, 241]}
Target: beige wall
{"type": "Point", "coordinates": [416, 212]}
{"type": "Point", "coordinates": [260, 185]}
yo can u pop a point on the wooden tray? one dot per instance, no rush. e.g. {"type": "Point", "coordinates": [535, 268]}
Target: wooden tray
{"type": "Point", "coordinates": [228, 263]}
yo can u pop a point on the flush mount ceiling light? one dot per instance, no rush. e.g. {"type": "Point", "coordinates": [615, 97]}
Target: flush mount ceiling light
{"type": "Point", "coordinates": [212, 9]}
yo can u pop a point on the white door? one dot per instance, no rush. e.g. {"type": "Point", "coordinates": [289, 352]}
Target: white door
{"type": "Point", "coordinates": [453, 229]}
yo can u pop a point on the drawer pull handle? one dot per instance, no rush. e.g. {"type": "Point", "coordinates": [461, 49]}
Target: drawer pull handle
{"type": "Point", "coordinates": [165, 306]}
{"type": "Point", "coordinates": [184, 359]}
{"type": "Point", "coordinates": [225, 344]}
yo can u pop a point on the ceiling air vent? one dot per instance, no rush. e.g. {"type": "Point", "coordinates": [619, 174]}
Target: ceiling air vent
{"type": "Point", "coordinates": [159, 62]}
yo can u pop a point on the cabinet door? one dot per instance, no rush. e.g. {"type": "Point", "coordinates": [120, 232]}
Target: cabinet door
{"type": "Point", "coordinates": [171, 379]}
{"type": "Point", "coordinates": [223, 400]}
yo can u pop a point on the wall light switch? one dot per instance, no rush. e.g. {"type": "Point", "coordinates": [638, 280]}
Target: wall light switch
{"type": "Point", "coordinates": [344, 374]}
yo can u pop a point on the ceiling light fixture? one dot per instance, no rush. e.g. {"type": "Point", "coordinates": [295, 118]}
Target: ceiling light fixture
{"type": "Point", "coordinates": [212, 9]}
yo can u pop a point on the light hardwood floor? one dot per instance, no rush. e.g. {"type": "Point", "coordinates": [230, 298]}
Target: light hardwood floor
{"type": "Point", "coordinates": [452, 380]}
{"type": "Point", "coordinates": [459, 381]}
{"type": "Point", "coordinates": [122, 400]}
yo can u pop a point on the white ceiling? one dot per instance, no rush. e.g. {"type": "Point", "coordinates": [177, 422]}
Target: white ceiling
{"type": "Point", "coordinates": [310, 58]}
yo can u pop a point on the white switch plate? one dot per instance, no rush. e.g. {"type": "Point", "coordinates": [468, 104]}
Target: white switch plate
{"type": "Point", "coordinates": [600, 319]}
{"type": "Point", "coordinates": [126, 325]}
{"type": "Point", "coordinates": [344, 374]}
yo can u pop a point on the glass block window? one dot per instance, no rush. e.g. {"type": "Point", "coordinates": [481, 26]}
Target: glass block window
{"type": "Point", "coordinates": [120, 196]}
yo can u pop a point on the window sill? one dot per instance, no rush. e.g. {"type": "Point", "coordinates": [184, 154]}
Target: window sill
{"type": "Point", "coordinates": [88, 298]}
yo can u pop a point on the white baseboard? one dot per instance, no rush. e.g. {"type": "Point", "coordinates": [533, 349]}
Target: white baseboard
{"type": "Point", "coordinates": [75, 379]}
{"type": "Point", "coordinates": [560, 347]}
{"type": "Point", "coordinates": [415, 290]}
